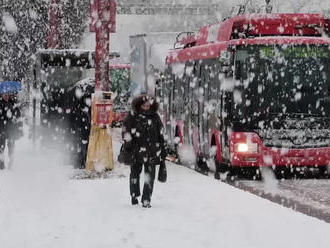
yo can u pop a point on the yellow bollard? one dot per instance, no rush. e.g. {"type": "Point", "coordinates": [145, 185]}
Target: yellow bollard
{"type": "Point", "coordinates": [100, 152]}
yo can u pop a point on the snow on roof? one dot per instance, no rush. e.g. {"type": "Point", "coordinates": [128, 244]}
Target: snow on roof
{"type": "Point", "coordinates": [86, 81]}
{"type": "Point", "coordinates": [61, 51]}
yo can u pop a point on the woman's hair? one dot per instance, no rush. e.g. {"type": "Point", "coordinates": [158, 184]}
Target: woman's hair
{"type": "Point", "coordinates": [141, 99]}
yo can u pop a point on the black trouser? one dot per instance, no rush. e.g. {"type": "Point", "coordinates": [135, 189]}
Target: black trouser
{"type": "Point", "coordinates": [149, 179]}
{"type": "Point", "coordinates": [80, 155]}
{"type": "Point", "coordinates": [11, 145]}
{"type": "Point", "coordinates": [2, 149]}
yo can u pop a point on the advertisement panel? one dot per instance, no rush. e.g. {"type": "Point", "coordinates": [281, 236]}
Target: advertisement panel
{"type": "Point", "coordinates": [148, 55]}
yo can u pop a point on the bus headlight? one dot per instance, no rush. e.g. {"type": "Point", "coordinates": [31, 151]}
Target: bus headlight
{"type": "Point", "coordinates": [241, 147]}
{"type": "Point", "coordinates": [246, 148]}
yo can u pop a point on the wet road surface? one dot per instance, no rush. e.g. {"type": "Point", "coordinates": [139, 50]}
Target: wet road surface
{"type": "Point", "coordinates": [309, 196]}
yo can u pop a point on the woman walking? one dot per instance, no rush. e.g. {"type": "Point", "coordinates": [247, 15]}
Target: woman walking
{"type": "Point", "coordinates": [144, 142]}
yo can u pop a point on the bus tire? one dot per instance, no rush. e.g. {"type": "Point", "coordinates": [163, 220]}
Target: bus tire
{"type": "Point", "coordinates": [201, 166]}
{"type": "Point", "coordinates": [219, 168]}
{"type": "Point", "coordinates": [323, 171]}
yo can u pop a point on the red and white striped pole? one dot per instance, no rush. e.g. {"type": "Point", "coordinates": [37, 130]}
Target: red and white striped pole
{"type": "Point", "coordinates": [100, 151]}
{"type": "Point", "coordinates": [55, 12]}
{"type": "Point", "coordinates": [103, 19]}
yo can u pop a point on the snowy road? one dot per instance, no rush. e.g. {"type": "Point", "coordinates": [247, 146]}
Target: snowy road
{"type": "Point", "coordinates": [40, 206]}
{"type": "Point", "coordinates": [309, 196]}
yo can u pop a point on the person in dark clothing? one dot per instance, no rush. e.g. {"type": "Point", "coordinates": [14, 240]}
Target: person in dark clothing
{"type": "Point", "coordinates": [143, 138]}
{"type": "Point", "coordinates": [10, 125]}
{"type": "Point", "coordinates": [79, 117]}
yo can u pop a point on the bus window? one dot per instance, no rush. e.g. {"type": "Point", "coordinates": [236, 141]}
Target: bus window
{"type": "Point", "coordinates": [187, 79]}
{"type": "Point", "coordinates": [284, 80]}
{"type": "Point", "coordinates": [194, 83]}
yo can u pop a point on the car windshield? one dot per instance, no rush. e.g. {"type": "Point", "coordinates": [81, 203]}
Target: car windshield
{"type": "Point", "coordinates": [284, 79]}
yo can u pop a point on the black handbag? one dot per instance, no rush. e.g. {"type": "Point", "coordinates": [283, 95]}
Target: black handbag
{"type": "Point", "coordinates": [125, 156]}
{"type": "Point", "coordinates": [162, 173]}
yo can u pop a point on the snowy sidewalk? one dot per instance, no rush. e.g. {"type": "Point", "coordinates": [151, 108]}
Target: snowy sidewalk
{"type": "Point", "coordinates": [40, 206]}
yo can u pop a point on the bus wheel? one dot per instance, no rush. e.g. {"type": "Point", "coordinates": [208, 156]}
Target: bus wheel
{"type": "Point", "coordinates": [233, 173]}
{"type": "Point", "coordinates": [251, 173]}
{"type": "Point", "coordinates": [219, 168]}
{"type": "Point", "coordinates": [201, 166]}
{"type": "Point", "coordinates": [283, 172]}
{"type": "Point", "coordinates": [323, 171]}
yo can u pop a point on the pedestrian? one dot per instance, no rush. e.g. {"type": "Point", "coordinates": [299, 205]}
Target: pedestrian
{"type": "Point", "coordinates": [79, 121]}
{"type": "Point", "coordinates": [10, 125]}
{"type": "Point", "coordinates": [142, 133]}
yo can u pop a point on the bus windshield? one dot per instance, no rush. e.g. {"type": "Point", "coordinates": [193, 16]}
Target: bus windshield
{"type": "Point", "coordinates": [120, 85]}
{"type": "Point", "coordinates": [283, 79]}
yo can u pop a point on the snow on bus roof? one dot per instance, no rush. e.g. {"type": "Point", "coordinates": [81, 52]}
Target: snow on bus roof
{"type": "Point", "coordinates": [262, 25]}
{"type": "Point", "coordinates": [213, 50]}
{"type": "Point", "coordinates": [259, 29]}
{"type": "Point", "coordinates": [280, 16]}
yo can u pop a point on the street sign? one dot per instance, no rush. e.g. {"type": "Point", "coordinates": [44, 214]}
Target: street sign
{"type": "Point", "coordinates": [9, 87]}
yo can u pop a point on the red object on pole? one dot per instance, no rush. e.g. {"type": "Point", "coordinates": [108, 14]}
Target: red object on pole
{"type": "Point", "coordinates": [93, 14]}
{"type": "Point", "coordinates": [103, 16]}
{"type": "Point", "coordinates": [113, 13]}
{"type": "Point", "coordinates": [102, 58]}
{"type": "Point", "coordinates": [53, 39]}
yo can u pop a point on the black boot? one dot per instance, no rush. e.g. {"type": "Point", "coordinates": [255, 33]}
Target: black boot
{"type": "Point", "coordinates": [146, 204]}
{"type": "Point", "coordinates": [134, 201]}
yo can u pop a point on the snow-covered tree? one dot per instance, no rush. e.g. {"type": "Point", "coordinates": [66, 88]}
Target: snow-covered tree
{"type": "Point", "coordinates": [24, 26]}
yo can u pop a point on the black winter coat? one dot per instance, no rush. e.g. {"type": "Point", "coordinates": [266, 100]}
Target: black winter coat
{"type": "Point", "coordinates": [10, 122]}
{"type": "Point", "coordinates": [80, 115]}
{"type": "Point", "coordinates": [143, 136]}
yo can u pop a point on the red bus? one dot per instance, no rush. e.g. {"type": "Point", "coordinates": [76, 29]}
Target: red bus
{"type": "Point", "coordinates": [252, 91]}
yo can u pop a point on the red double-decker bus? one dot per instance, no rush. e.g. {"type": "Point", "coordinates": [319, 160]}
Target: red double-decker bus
{"type": "Point", "coordinates": [252, 91]}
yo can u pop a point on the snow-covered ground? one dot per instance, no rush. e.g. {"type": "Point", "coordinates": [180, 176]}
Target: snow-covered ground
{"type": "Point", "coordinates": [40, 206]}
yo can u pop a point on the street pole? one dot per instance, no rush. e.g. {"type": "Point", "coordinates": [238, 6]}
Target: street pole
{"type": "Point", "coordinates": [100, 150]}
{"type": "Point", "coordinates": [53, 38]}
{"type": "Point", "coordinates": [103, 20]}
{"type": "Point", "coordinates": [102, 36]}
